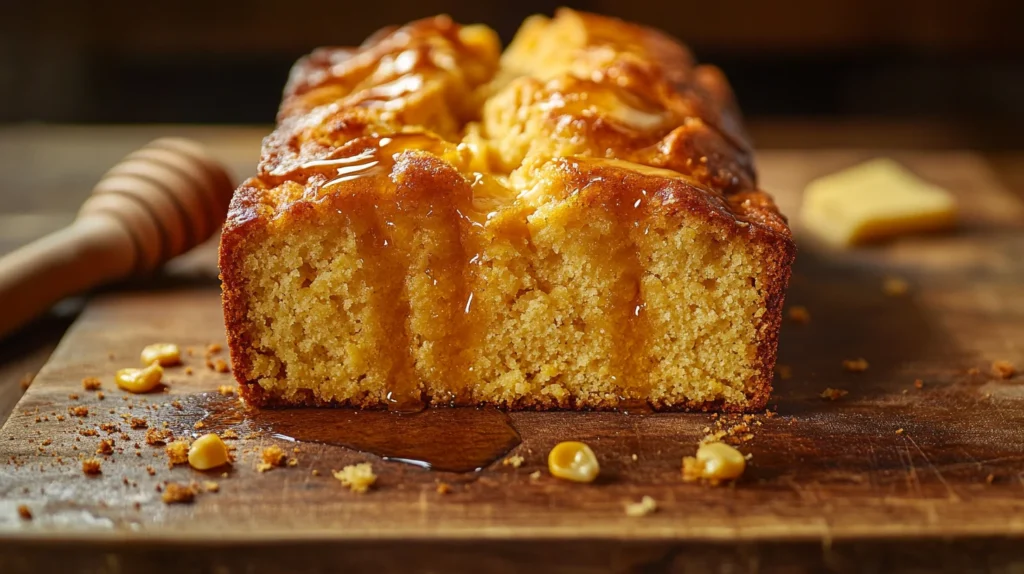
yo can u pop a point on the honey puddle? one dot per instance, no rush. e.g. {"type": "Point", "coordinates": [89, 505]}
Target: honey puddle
{"type": "Point", "coordinates": [455, 439]}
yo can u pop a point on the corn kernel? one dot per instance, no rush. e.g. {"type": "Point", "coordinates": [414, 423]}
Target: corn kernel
{"type": "Point", "coordinates": [167, 354]}
{"type": "Point", "coordinates": [207, 452]}
{"type": "Point", "coordinates": [574, 461]}
{"type": "Point", "coordinates": [140, 380]}
{"type": "Point", "coordinates": [715, 462]}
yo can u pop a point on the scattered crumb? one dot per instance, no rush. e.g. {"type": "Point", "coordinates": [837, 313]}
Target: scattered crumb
{"type": "Point", "coordinates": [894, 286]}
{"type": "Point", "coordinates": [210, 486]}
{"type": "Point", "coordinates": [60, 418]}
{"type": "Point", "coordinates": [177, 405]}
{"type": "Point", "coordinates": [799, 315]}
{"type": "Point", "coordinates": [109, 428]}
{"type": "Point", "coordinates": [226, 390]}
{"type": "Point", "coordinates": [357, 477]}
{"type": "Point", "coordinates": [91, 466]}
{"type": "Point", "coordinates": [79, 411]}
{"type": "Point", "coordinates": [221, 366]}
{"type": "Point", "coordinates": [1003, 369]}
{"type": "Point", "coordinates": [91, 384]}
{"type": "Point", "coordinates": [293, 462]}
{"type": "Point", "coordinates": [199, 425]}
{"type": "Point", "coordinates": [228, 434]}
{"type": "Point", "coordinates": [188, 370]}
{"type": "Point", "coordinates": [899, 431]}
{"type": "Point", "coordinates": [785, 372]}
{"type": "Point", "coordinates": [515, 461]}
{"type": "Point", "coordinates": [855, 365]}
{"type": "Point", "coordinates": [100, 395]}
{"type": "Point", "coordinates": [106, 446]}
{"type": "Point", "coordinates": [177, 493]}
{"type": "Point", "coordinates": [535, 475]}
{"type": "Point", "coordinates": [918, 384]}
{"type": "Point", "coordinates": [177, 452]}
{"type": "Point", "coordinates": [73, 397]}
{"type": "Point", "coordinates": [634, 457]}
{"type": "Point", "coordinates": [646, 506]}
{"type": "Point", "coordinates": [150, 470]}
{"type": "Point", "coordinates": [24, 512]}
{"type": "Point", "coordinates": [213, 348]}
{"type": "Point", "coordinates": [156, 437]}
{"type": "Point", "coordinates": [316, 472]}
{"type": "Point", "coordinates": [990, 479]}
{"type": "Point", "coordinates": [443, 488]}
{"type": "Point", "coordinates": [833, 394]}
{"type": "Point", "coordinates": [272, 456]}
{"type": "Point", "coordinates": [88, 432]}
{"type": "Point", "coordinates": [904, 391]}
{"type": "Point", "coordinates": [137, 423]}
{"type": "Point", "coordinates": [973, 371]}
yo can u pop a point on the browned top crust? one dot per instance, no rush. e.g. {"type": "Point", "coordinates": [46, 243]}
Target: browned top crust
{"type": "Point", "coordinates": [577, 89]}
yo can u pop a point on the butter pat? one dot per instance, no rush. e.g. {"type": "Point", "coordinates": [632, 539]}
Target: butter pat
{"type": "Point", "coordinates": [875, 200]}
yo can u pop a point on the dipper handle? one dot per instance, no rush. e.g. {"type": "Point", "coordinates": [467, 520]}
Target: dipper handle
{"type": "Point", "coordinates": [157, 203]}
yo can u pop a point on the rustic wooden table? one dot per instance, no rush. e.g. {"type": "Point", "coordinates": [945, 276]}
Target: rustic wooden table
{"type": "Point", "coordinates": [838, 490]}
{"type": "Point", "coordinates": [49, 171]}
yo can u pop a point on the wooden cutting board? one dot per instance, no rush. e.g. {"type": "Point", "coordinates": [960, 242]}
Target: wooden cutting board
{"type": "Point", "coordinates": [890, 476]}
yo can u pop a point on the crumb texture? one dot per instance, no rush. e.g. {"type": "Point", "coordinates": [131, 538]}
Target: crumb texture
{"type": "Point", "coordinates": [572, 223]}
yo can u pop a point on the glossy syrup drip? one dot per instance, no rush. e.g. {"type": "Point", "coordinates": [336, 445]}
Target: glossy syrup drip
{"type": "Point", "coordinates": [463, 439]}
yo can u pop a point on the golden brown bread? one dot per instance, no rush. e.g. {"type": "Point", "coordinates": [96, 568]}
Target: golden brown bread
{"type": "Point", "coordinates": [574, 223]}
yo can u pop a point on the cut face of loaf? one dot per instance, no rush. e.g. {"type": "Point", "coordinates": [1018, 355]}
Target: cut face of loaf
{"type": "Point", "coordinates": [573, 225]}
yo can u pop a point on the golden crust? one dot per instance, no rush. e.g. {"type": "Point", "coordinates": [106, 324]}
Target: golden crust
{"type": "Point", "coordinates": [423, 113]}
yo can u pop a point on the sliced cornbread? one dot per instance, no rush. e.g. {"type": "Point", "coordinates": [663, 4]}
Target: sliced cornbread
{"type": "Point", "coordinates": [572, 224]}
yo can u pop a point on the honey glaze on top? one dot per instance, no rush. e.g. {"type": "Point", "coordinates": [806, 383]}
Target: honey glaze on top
{"type": "Point", "coordinates": [424, 143]}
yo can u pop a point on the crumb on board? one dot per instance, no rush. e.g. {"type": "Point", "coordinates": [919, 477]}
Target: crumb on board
{"type": "Point", "coordinates": [100, 395]}
{"type": "Point", "coordinates": [157, 437]}
{"type": "Point", "coordinates": [91, 466]}
{"type": "Point", "coordinates": [1004, 369]}
{"type": "Point", "coordinates": [293, 462]}
{"type": "Point", "coordinates": [315, 472]}
{"type": "Point", "coordinates": [79, 411]}
{"type": "Point", "coordinates": [515, 461]}
{"type": "Point", "coordinates": [88, 432]}
{"type": "Point", "coordinates": [357, 477]}
{"type": "Point", "coordinates": [92, 384]}
{"type": "Point", "coordinates": [24, 512]}
{"type": "Point", "coordinates": [199, 425]}
{"type": "Point", "coordinates": [109, 428]}
{"type": "Point", "coordinates": [272, 456]}
{"type": "Point", "coordinates": [855, 365]}
{"type": "Point", "coordinates": [990, 479]}
{"type": "Point", "coordinates": [443, 488]}
{"type": "Point", "coordinates": [918, 384]}
{"type": "Point", "coordinates": [221, 366]}
{"type": "Point", "coordinates": [177, 405]}
{"type": "Point", "coordinates": [895, 286]}
{"type": "Point", "coordinates": [973, 371]}
{"type": "Point", "coordinates": [106, 446]}
{"type": "Point", "coordinates": [213, 348]}
{"type": "Point", "coordinates": [634, 457]}
{"type": "Point", "coordinates": [73, 397]}
{"type": "Point", "coordinates": [177, 452]}
{"type": "Point", "coordinates": [226, 390]}
{"type": "Point", "coordinates": [229, 434]}
{"type": "Point", "coordinates": [188, 370]}
{"type": "Point", "coordinates": [535, 475]}
{"type": "Point", "coordinates": [150, 471]}
{"type": "Point", "coordinates": [646, 506]}
{"type": "Point", "coordinates": [138, 423]}
{"type": "Point", "coordinates": [799, 315]}
{"type": "Point", "coordinates": [211, 486]}
{"type": "Point", "coordinates": [833, 394]}
{"type": "Point", "coordinates": [178, 493]}
{"type": "Point", "coordinates": [899, 431]}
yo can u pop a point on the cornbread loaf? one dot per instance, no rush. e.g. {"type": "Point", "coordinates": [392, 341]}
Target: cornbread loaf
{"type": "Point", "coordinates": [573, 223]}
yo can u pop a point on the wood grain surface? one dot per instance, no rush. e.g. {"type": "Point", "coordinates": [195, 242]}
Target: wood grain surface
{"type": "Point", "coordinates": [889, 477]}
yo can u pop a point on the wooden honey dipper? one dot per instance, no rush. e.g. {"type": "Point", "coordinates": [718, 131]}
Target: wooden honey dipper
{"type": "Point", "coordinates": [157, 203]}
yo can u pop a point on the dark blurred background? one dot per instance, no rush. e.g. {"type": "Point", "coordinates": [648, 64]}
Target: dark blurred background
{"type": "Point", "coordinates": [118, 61]}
